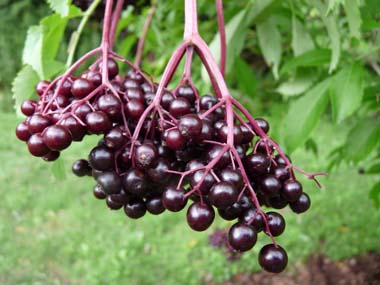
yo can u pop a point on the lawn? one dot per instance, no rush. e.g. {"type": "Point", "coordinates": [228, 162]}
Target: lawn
{"type": "Point", "coordinates": [52, 231]}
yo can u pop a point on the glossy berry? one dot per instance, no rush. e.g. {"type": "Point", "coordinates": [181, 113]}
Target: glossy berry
{"type": "Point", "coordinates": [81, 88]}
{"type": "Point", "coordinates": [134, 109]}
{"type": "Point", "coordinates": [215, 151]}
{"type": "Point", "coordinates": [173, 139]}
{"type": "Point", "coordinates": [154, 205]}
{"type": "Point", "coordinates": [276, 223]}
{"type": "Point", "coordinates": [179, 107]}
{"type": "Point", "coordinates": [113, 68]}
{"type": "Point", "coordinates": [200, 216]}
{"type": "Point", "coordinates": [134, 182]}
{"type": "Point", "coordinates": [41, 87]}
{"type": "Point", "coordinates": [114, 139]}
{"type": "Point", "coordinates": [257, 163]}
{"type": "Point", "coordinates": [174, 199]}
{"type": "Point", "coordinates": [291, 190]}
{"type": "Point", "coordinates": [112, 204]}
{"type": "Point", "coordinates": [135, 208]}
{"type": "Point", "coordinates": [110, 105]}
{"type": "Point", "coordinates": [101, 158]}
{"type": "Point", "coordinates": [223, 195]}
{"type": "Point", "coordinates": [270, 185]}
{"type": "Point", "coordinates": [242, 237]}
{"type": "Point", "coordinates": [190, 126]}
{"type": "Point", "coordinates": [253, 218]}
{"type": "Point", "coordinates": [207, 183]}
{"type": "Point", "coordinates": [145, 155]}
{"type": "Point", "coordinates": [22, 131]}
{"type": "Point", "coordinates": [232, 176]}
{"type": "Point", "coordinates": [121, 198]}
{"type": "Point", "coordinates": [28, 107]}
{"type": "Point", "coordinates": [51, 156]}
{"type": "Point", "coordinates": [98, 192]}
{"type": "Point", "coordinates": [263, 124]}
{"type": "Point", "coordinates": [98, 123]}
{"type": "Point", "coordinates": [57, 137]}
{"type": "Point", "coordinates": [231, 213]}
{"type": "Point", "coordinates": [301, 205]}
{"type": "Point", "coordinates": [166, 100]}
{"type": "Point", "coordinates": [37, 146]}
{"type": "Point", "coordinates": [159, 173]}
{"type": "Point", "coordinates": [38, 123]}
{"type": "Point", "coordinates": [81, 168]}
{"type": "Point", "coordinates": [187, 92]}
{"type": "Point", "coordinates": [273, 259]}
{"type": "Point", "coordinates": [110, 182]}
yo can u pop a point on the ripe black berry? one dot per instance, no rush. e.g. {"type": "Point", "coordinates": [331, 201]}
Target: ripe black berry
{"type": "Point", "coordinates": [200, 216]}
{"type": "Point", "coordinates": [223, 195]}
{"type": "Point", "coordinates": [174, 199]}
{"type": "Point", "coordinates": [273, 259]}
{"type": "Point", "coordinates": [242, 237]}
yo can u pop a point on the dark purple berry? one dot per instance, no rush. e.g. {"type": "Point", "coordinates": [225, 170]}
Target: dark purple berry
{"type": "Point", "coordinates": [101, 158]}
{"type": "Point", "coordinates": [270, 185]}
{"type": "Point", "coordinates": [57, 137]}
{"type": "Point", "coordinates": [22, 131]}
{"type": "Point", "coordinates": [242, 237]}
{"type": "Point", "coordinates": [276, 223]}
{"type": "Point", "coordinates": [37, 146]}
{"type": "Point", "coordinates": [190, 126]}
{"type": "Point", "coordinates": [99, 193]}
{"type": "Point", "coordinates": [28, 107]}
{"type": "Point", "coordinates": [135, 208]}
{"type": "Point", "coordinates": [154, 205]}
{"type": "Point", "coordinates": [273, 258]}
{"type": "Point", "coordinates": [81, 88]}
{"type": "Point", "coordinates": [200, 216]}
{"type": "Point", "coordinates": [301, 205]}
{"type": "Point", "coordinates": [179, 107]}
{"type": "Point", "coordinates": [38, 123]}
{"type": "Point", "coordinates": [81, 168]}
{"type": "Point", "coordinates": [110, 182]}
{"type": "Point", "coordinates": [256, 163]}
{"type": "Point", "coordinates": [174, 199]}
{"type": "Point", "coordinates": [223, 195]}
{"type": "Point", "coordinates": [291, 190]}
{"type": "Point", "coordinates": [145, 155]}
{"type": "Point", "coordinates": [98, 123]}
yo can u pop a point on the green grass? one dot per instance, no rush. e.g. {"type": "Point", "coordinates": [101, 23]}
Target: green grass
{"type": "Point", "coordinates": [54, 232]}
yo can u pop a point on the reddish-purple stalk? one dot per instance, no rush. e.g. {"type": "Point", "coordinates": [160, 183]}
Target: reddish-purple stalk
{"type": "Point", "coordinates": [115, 20]}
{"type": "Point", "coordinates": [222, 34]}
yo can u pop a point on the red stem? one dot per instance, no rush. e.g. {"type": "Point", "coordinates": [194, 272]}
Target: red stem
{"type": "Point", "coordinates": [222, 34]}
{"type": "Point", "coordinates": [115, 20]}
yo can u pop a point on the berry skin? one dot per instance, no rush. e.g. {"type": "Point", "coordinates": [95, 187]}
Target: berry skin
{"type": "Point", "coordinates": [200, 217]}
{"type": "Point", "coordinates": [159, 173]}
{"type": "Point", "coordinates": [174, 199]}
{"type": "Point", "coordinates": [101, 158]}
{"type": "Point", "coordinates": [223, 195]}
{"type": "Point", "coordinates": [51, 156]}
{"type": "Point", "coordinates": [263, 124]}
{"type": "Point", "coordinates": [291, 190]}
{"type": "Point", "coordinates": [270, 185]}
{"type": "Point", "coordinates": [98, 123]}
{"type": "Point", "coordinates": [242, 237]}
{"type": "Point", "coordinates": [135, 208]}
{"type": "Point", "coordinates": [253, 218]}
{"type": "Point", "coordinates": [173, 139]}
{"type": "Point", "coordinates": [98, 192]}
{"type": "Point", "coordinates": [276, 223]}
{"type": "Point", "coordinates": [28, 107]}
{"type": "Point", "coordinates": [166, 100]}
{"type": "Point", "coordinates": [112, 204]}
{"type": "Point", "coordinates": [134, 109]}
{"type": "Point", "coordinates": [154, 205]}
{"type": "Point", "coordinates": [257, 163]}
{"type": "Point", "coordinates": [207, 183]}
{"type": "Point", "coordinates": [22, 132]}
{"type": "Point", "coordinates": [38, 123]}
{"type": "Point", "coordinates": [134, 182]}
{"type": "Point", "coordinates": [110, 182]}
{"type": "Point", "coordinates": [273, 259]}
{"type": "Point", "coordinates": [57, 137]}
{"type": "Point", "coordinates": [186, 92]}
{"type": "Point", "coordinates": [179, 107]}
{"type": "Point", "coordinates": [145, 155]}
{"type": "Point", "coordinates": [81, 88]}
{"type": "Point", "coordinates": [232, 176]}
{"type": "Point", "coordinates": [41, 87]}
{"type": "Point", "coordinates": [301, 205]}
{"type": "Point", "coordinates": [81, 168]}
{"type": "Point", "coordinates": [113, 68]}
{"type": "Point", "coordinates": [114, 139]}
{"type": "Point", "coordinates": [110, 105]}
{"type": "Point", "coordinates": [190, 126]}
{"type": "Point", "coordinates": [36, 145]}
{"type": "Point", "coordinates": [231, 213]}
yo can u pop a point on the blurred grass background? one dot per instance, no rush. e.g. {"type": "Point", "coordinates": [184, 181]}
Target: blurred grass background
{"type": "Point", "coordinates": [54, 232]}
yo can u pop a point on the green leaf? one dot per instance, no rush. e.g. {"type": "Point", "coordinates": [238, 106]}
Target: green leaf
{"type": "Point", "coordinates": [270, 43]}
{"type": "Point", "coordinates": [61, 7]}
{"type": "Point", "coordinates": [301, 39]}
{"type": "Point", "coordinates": [53, 28]}
{"type": "Point", "coordinates": [312, 145]}
{"type": "Point", "coordinates": [374, 195]}
{"type": "Point", "coordinates": [330, 22]}
{"type": "Point", "coordinates": [58, 169]}
{"type": "Point", "coordinates": [247, 81]}
{"type": "Point", "coordinates": [373, 169]}
{"type": "Point", "coordinates": [333, 4]}
{"type": "Point", "coordinates": [297, 85]}
{"type": "Point", "coordinates": [362, 140]}
{"type": "Point", "coordinates": [354, 18]}
{"type": "Point", "coordinates": [347, 92]}
{"type": "Point", "coordinates": [23, 86]}
{"type": "Point", "coordinates": [316, 57]}
{"type": "Point", "coordinates": [304, 114]}
{"type": "Point", "coordinates": [32, 54]}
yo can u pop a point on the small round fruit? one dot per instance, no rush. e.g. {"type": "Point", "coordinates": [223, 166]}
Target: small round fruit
{"type": "Point", "coordinates": [223, 195]}
{"type": "Point", "coordinates": [110, 182]}
{"type": "Point", "coordinates": [200, 216]}
{"type": "Point", "coordinates": [190, 126]}
{"type": "Point", "coordinates": [28, 107]}
{"type": "Point", "coordinates": [57, 137]}
{"type": "Point", "coordinates": [173, 139]}
{"type": "Point", "coordinates": [242, 237]}
{"type": "Point", "coordinates": [179, 107]}
{"type": "Point", "coordinates": [154, 205]}
{"type": "Point", "coordinates": [276, 223]}
{"type": "Point", "coordinates": [263, 124]}
{"type": "Point", "coordinates": [81, 168]}
{"type": "Point", "coordinates": [101, 158]}
{"type": "Point", "coordinates": [81, 88]}
{"type": "Point", "coordinates": [98, 192]}
{"type": "Point", "coordinates": [291, 190]}
{"type": "Point", "coordinates": [112, 204]}
{"type": "Point", "coordinates": [270, 185]}
{"type": "Point", "coordinates": [134, 182]}
{"type": "Point", "coordinates": [145, 155]}
{"type": "Point", "coordinates": [273, 259]}
{"type": "Point", "coordinates": [38, 123]}
{"type": "Point", "coordinates": [301, 205]}
{"type": "Point", "coordinates": [174, 199]}
{"type": "Point", "coordinates": [135, 208]}
{"type": "Point", "coordinates": [22, 132]}
{"type": "Point", "coordinates": [37, 146]}
{"type": "Point", "coordinates": [98, 122]}
{"type": "Point", "coordinates": [257, 163]}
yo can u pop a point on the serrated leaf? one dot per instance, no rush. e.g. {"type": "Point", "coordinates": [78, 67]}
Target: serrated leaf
{"type": "Point", "coordinates": [297, 85]}
{"type": "Point", "coordinates": [301, 39]}
{"type": "Point", "coordinates": [32, 54]}
{"type": "Point", "coordinates": [347, 92]}
{"type": "Point", "coordinates": [354, 17]}
{"type": "Point", "coordinates": [23, 86]}
{"type": "Point", "coordinates": [304, 114]}
{"type": "Point", "coordinates": [331, 25]}
{"type": "Point", "coordinates": [58, 169]}
{"type": "Point", "coordinates": [53, 28]}
{"type": "Point", "coordinates": [374, 195]}
{"type": "Point", "coordinates": [313, 58]}
{"type": "Point", "coordinates": [373, 169]}
{"type": "Point", "coordinates": [61, 7]}
{"type": "Point", "coordinates": [270, 43]}
{"type": "Point", "coordinates": [362, 140]}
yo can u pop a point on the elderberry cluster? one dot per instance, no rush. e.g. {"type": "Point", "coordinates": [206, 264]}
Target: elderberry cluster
{"type": "Point", "coordinates": [175, 154]}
